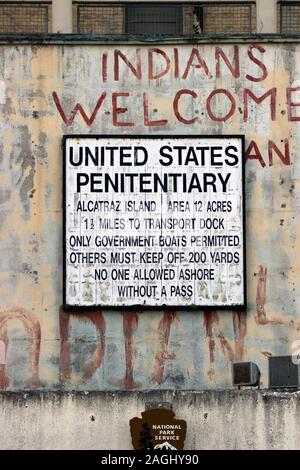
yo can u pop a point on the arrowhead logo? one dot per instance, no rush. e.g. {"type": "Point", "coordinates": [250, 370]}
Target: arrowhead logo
{"type": "Point", "coordinates": [157, 429]}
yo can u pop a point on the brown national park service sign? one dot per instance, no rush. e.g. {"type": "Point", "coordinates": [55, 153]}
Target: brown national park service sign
{"type": "Point", "coordinates": [157, 429]}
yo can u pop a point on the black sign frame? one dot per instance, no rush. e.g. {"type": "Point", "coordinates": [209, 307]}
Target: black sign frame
{"type": "Point", "coordinates": [139, 307]}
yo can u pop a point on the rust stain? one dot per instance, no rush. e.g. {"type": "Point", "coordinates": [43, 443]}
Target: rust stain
{"type": "Point", "coordinates": [163, 354]}
{"type": "Point", "coordinates": [33, 332]}
{"type": "Point", "coordinates": [130, 325]}
{"type": "Point", "coordinates": [97, 318]}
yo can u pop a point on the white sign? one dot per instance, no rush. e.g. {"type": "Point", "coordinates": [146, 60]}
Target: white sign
{"type": "Point", "coordinates": [154, 221]}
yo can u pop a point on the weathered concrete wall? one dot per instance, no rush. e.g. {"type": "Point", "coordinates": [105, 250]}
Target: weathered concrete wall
{"type": "Point", "coordinates": [215, 419]}
{"type": "Point", "coordinates": [49, 90]}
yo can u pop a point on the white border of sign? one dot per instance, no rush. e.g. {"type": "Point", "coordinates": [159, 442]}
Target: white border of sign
{"type": "Point", "coordinates": [224, 306]}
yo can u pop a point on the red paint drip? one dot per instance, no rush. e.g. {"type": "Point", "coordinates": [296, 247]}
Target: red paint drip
{"type": "Point", "coordinates": [226, 348]}
{"type": "Point", "coordinates": [210, 318]}
{"type": "Point", "coordinates": [162, 355]}
{"type": "Point", "coordinates": [97, 319]}
{"type": "Point", "coordinates": [95, 363]}
{"type": "Point", "coordinates": [261, 299]}
{"type": "Point", "coordinates": [240, 331]}
{"type": "Point", "coordinates": [4, 379]}
{"type": "Point", "coordinates": [130, 325]}
{"type": "Point", "coordinates": [261, 295]}
{"type": "Point", "coordinates": [64, 358]}
{"type": "Point", "coordinates": [33, 332]}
